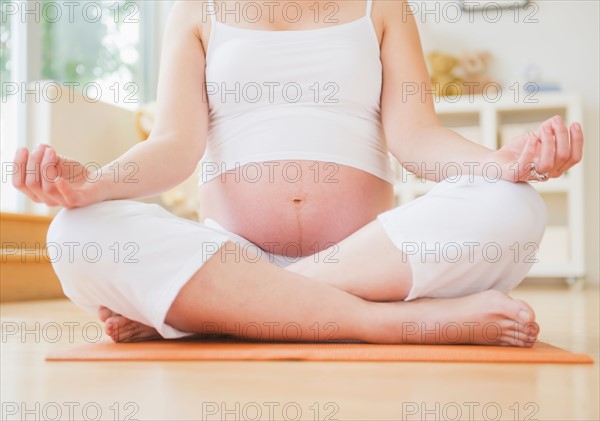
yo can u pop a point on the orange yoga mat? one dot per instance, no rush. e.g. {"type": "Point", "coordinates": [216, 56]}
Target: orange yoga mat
{"type": "Point", "coordinates": [190, 350]}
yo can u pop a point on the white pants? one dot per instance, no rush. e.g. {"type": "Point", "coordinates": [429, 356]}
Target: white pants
{"type": "Point", "coordinates": [466, 235]}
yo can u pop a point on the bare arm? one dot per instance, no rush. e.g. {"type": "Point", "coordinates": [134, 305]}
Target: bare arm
{"type": "Point", "coordinates": [167, 158]}
{"type": "Point", "coordinates": [422, 145]}
{"type": "Point", "coordinates": [178, 138]}
{"type": "Point", "coordinates": [414, 133]}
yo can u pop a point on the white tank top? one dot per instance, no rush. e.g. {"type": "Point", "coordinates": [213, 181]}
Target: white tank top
{"type": "Point", "coordinates": [310, 94]}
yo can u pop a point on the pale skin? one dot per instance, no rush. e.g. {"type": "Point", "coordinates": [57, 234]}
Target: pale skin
{"type": "Point", "coordinates": [364, 289]}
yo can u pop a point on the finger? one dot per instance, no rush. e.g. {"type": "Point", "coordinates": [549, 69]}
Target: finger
{"type": "Point", "coordinates": [68, 168]}
{"type": "Point", "coordinates": [548, 149]}
{"type": "Point", "coordinates": [49, 178]}
{"type": "Point", "coordinates": [19, 178]}
{"type": "Point", "coordinates": [563, 147]}
{"type": "Point", "coordinates": [526, 159]}
{"type": "Point", "coordinates": [33, 178]}
{"type": "Point", "coordinates": [20, 160]}
{"type": "Point", "coordinates": [38, 175]}
{"type": "Point", "coordinates": [49, 163]}
{"type": "Point", "coordinates": [576, 147]}
{"type": "Point", "coordinates": [538, 131]}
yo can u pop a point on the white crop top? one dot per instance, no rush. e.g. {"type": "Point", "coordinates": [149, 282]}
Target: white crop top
{"type": "Point", "coordinates": [310, 94]}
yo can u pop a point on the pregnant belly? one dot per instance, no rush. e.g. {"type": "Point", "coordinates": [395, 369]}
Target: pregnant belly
{"type": "Point", "coordinates": [295, 208]}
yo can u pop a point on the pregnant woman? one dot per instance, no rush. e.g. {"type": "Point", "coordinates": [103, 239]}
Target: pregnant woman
{"type": "Point", "coordinates": [291, 110]}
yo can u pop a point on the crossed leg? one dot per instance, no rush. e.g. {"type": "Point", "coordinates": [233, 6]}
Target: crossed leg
{"type": "Point", "coordinates": [229, 292]}
{"type": "Point", "coordinates": [366, 264]}
{"type": "Point", "coordinates": [315, 297]}
{"type": "Point", "coordinates": [387, 278]}
{"type": "Point", "coordinates": [459, 239]}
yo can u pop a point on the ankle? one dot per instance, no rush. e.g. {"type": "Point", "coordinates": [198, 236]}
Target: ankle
{"type": "Point", "coordinates": [373, 323]}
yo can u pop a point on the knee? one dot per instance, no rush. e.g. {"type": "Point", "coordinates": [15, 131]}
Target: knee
{"type": "Point", "coordinates": [65, 237]}
{"type": "Point", "coordinates": [63, 231]}
{"type": "Point", "coordinates": [508, 219]}
{"type": "Point", "coordinates": [60, 226]}
{"type": "Point", "coordinates": [70, 225]}
{"type": "Point", "coordinates": [74, 239]}
{"type": "Point", "coordinates": [60, 241]}
{"type": "Point", "coordinates": [521, 221]}
{"type": "Point", "coordinates": [91, 221]}
{"type": "Point", "coordinates": [515, 212]}
{"type": "Point", "coordinates": [526, 211]}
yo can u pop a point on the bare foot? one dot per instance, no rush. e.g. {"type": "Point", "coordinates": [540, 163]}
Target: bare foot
{"type": "Point", "coordinates": [486, 318]}
{"type": "Point", "coordinates": [121, 329]}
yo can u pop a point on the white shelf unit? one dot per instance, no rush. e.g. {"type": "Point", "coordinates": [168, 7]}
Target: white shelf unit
{"type": "Point", "coordinates": [560, 254]}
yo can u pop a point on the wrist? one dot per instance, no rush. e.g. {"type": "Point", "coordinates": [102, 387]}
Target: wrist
{"type": "Point", "coordinates": [506, 163]}
{"type": "Point", "coordinates": [102, 185]}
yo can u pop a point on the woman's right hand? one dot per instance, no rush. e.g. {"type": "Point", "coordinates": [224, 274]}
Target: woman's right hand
{"type": "Point", "coordinates": [46, 177]}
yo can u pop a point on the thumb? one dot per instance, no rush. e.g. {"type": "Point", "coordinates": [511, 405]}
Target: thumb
{"type": "Point", "coordinates": [73, 196]}
{"type": "Point", "coordinates": [66, 168]}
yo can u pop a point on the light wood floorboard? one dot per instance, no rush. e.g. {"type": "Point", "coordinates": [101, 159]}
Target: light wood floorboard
{"type": "Point", "coordinates": [568, 318]}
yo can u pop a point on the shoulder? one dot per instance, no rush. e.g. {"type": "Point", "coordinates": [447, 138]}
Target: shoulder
{"type": "Point", "coordinates": [388, 14]}
{"type": "Point", "coordinates": [393, 13]}
{"type": "Point", "coordinates": [188, 15]}
{"type": "Point", "coordinates": [189, 18]}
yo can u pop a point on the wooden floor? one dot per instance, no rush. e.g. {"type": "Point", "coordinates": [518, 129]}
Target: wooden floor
{"type": "Point", "coordinates": [297, 390]}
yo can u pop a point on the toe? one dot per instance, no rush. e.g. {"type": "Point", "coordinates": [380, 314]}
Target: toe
{"type": "Point", "coordinates": [122, 329]}
{"type": "Point", "coordinates": [518, 338]}
{"type": "Point", "coordinates": [104, 313]}
{"type": "Point", "coordinates": [524, 317]}
{"type": "Point", "coordinates": [531, 329]}
{"type": "Point", "coordinates": [127, 334]}
{"type": "Point", "coordinates": [137, 333]}
{"type": "Point", "coordinates": [115, 324]}
{"type": "Point", "coordinates": [526, 313]}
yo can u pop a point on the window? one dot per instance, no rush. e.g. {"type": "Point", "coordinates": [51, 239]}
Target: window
{"type": "Point", "coordinates": [5, 46]}
{"type": "Point", "coordinates": [11, 110]}
{"type": "Point", "coordinates": [94, 46]}
{"type": "Point", "coordinates": [108, 50]}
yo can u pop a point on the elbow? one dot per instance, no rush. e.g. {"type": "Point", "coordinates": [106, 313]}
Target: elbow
{"type": "Point", "coordinates": [188, 162]}
{"type": "Point", "coordinates": [181, 154]}
{"type": "Point", "coordinates": [413, 130]}
{"type": "Point", "coordinates": [404, 138]}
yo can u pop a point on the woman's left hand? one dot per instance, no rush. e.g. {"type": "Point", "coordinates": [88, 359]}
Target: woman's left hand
{"type": "Point", "coordinates": [541, 154]}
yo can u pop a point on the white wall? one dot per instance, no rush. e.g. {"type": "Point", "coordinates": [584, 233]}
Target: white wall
{"type": "Point", "coordinates": [564, 43]}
